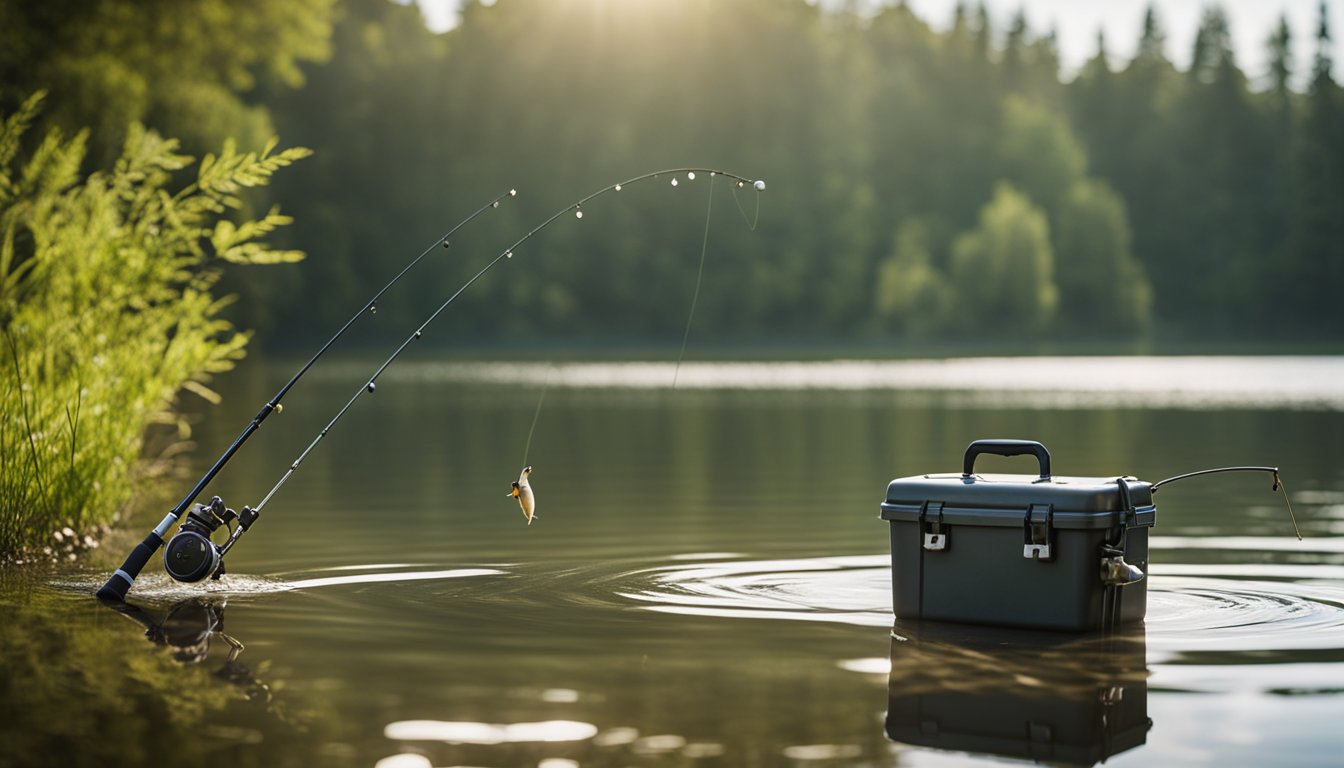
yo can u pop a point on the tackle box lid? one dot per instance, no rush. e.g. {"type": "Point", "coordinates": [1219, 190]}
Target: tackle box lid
{"type": "Point", "coordinates": [995, 499]}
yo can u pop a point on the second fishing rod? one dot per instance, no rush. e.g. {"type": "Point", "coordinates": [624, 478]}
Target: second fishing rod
{"type": "Point", "coordinates": [191, 555]}
{"type": "Point", "coordinates": [203, 516]}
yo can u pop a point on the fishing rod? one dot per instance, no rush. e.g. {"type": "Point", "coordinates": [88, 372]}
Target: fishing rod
{"type": "Point", "coordinates": [121, 580]}
{"type": "Point", "coordinates": [191, 555]}
{"type": "Point", "coordinates": [1277, 486]}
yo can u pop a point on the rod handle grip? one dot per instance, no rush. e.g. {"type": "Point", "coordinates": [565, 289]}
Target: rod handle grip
{"type": "Point", "coordinates": [1006, 448]}
{"type": "Point", "coordinates": [120, 582]}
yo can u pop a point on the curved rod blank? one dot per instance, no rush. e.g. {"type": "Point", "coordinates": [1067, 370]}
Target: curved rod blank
{"type": "Point", "coordinates": [1271, 470]}
{"type": "Point", "coordinates": [507, 253]}
{"type": "Point", "coordinates": [1277, 486]}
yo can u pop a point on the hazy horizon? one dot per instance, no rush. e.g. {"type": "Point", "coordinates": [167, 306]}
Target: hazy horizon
{"type": "Point", "coordinates": [1077, 24]}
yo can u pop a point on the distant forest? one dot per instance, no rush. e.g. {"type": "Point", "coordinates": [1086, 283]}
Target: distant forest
{"type": "Point", "coordinates": [921, 185]}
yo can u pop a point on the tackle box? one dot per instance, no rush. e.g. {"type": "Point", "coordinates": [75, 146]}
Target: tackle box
{"type": "Point", "coordinates": [1050, 697]}
{"type": "Point", "coordinates": [1037, 551]}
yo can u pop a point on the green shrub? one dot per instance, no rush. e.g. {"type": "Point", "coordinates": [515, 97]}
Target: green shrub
{"type": "Point", "coordinates": [106, 310]}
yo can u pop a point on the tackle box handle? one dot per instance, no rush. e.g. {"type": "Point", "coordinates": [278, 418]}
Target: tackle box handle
{"type": "Point", "coordinates": [1006, 448]}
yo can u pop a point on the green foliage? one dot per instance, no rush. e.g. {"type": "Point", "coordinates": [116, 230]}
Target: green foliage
{"type": "Point", "coordinates": [865, 125]}
{"type": "Point", "coordinates": [912, 297]}
{"type": "Point", "coordinates": [1039, 152]}
{"type": "Point", "coordinates": [1003, 270]}
{"type": "Point", "coordinates": [1313, 271]}
{"type": "Point", "coordinates": [179, 66]}
{"type": "Point", "coordinates": [1101, 286]}
{"type": "Point", "coordinates": [107, 310]}
{"type": "Point", "coordinates": [861, 124]}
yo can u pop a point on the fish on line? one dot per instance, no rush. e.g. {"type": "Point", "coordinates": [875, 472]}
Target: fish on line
{"type": "Point", "coordinates": [522, 490]}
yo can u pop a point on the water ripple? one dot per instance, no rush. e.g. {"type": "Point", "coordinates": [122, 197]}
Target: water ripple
{"type": "Point", "coordinates": [834, 589]}
{"type": "Point", "coordinates": [1244, 608]}
{"type": "Point", "coordinates": [1193, 611]}
{"type": "Point", "coordinates": [1211, 614]}
{"type": "Point", "coordinates": [158, 587]}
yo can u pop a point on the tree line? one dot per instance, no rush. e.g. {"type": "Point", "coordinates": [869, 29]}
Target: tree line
{"type": "Point", "coordinates": [922, 184]}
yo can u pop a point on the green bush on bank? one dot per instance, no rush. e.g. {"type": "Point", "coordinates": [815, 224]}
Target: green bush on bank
{"type": "Point", "coordinates": [106, 310]}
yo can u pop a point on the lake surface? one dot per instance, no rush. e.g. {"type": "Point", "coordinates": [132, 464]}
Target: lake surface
{"type": "Point", "coordinates": [707, 582]}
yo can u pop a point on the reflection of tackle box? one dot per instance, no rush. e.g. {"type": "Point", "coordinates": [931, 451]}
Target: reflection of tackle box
{"type": "Point", "coordinates": [1065, 553]}
{"type": "Point", "coordinates": [1017, 693]}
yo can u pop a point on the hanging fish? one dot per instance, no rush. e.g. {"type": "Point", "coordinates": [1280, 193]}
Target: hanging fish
{"type": "Point", "coordinates": [522, 491]}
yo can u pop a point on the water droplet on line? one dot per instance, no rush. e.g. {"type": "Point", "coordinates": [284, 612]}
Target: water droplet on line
{"type": "Point", "coordinates": [618, 187]}
{"type": "Point", "coordinates": [495, 204]}
{"type": "Point", "coordinates": [513, 193]}
{"type": "Point", "coordinates": [691, 175]}
{"type": "Point", "coordinates": [508, 254]}
{"type": "Point", "coordinates": [674, 182]}
{"type": "Point", "coordinates": [578, 214]}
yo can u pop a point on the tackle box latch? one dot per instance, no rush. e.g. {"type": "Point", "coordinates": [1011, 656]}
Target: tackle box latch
{"type": "Point", "coordinates": [931, 521]}
{"type": "Point", "coordinates": [1037, 533]}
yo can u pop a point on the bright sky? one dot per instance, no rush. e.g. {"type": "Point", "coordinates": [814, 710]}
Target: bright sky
{"type": "Point", "coordinates": [1077, 23]}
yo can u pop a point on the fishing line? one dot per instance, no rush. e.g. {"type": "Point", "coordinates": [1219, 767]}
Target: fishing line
{"type": "Point", "coordinates": [536, 415]}
{"type": "Point", "coordinates": [206, 557]}
{"type": "Point", "coordinates": [371, 306]}
{"type": "Point", "coordinates": [577, 210]}
{"type": "Point", "coordinates": [760, 187]}
{"type": "Point", "coordinates": [1282, 486]}
{"type": "Point", "coordinates": [704, 245]}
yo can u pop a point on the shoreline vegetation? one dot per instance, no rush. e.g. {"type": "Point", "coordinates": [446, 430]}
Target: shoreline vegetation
{"type": "Point", "coordinates": [108, 314]}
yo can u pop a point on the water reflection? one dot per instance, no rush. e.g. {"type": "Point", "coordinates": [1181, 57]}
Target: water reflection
{"type": "Point", "coordinates": [1039, 382]}
{"type": "Point", "coordinates": [186, 631]}
{"type": "Point", "coordinates": [1040, 696]}
{"type": "Point", "coordinates": [731, 608]}
{"type": "Point", "coordinates": [186, 628]}
{"type": "Point", "coordinates": [80, 689]}
{"type": "Point", "coordinates": [457, 732]}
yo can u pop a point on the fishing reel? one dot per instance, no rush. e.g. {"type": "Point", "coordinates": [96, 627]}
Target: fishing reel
{"type": "Point", "coordinates": [190, 555]}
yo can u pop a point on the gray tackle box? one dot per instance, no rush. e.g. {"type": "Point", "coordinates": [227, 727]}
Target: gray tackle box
{"type": "Point", "coordinates": [1063, 553]}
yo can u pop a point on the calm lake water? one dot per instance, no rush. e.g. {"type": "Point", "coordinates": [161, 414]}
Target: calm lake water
{"type": "Point", "coordinates": [707, 582]}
